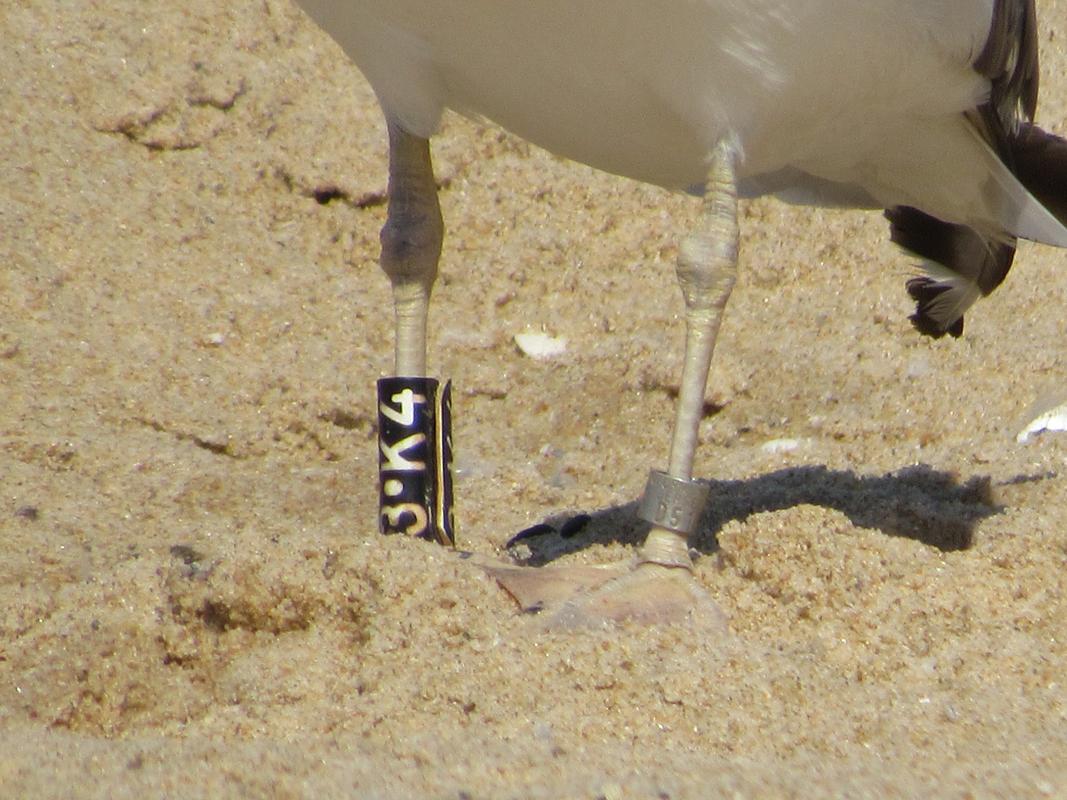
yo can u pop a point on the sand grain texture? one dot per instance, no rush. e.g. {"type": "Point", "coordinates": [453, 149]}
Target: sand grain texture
{"type": "Point", "coordinates": [194, 601]}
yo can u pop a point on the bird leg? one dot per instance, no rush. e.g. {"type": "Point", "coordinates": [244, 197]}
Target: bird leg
{"type": "Point", "coordinates": [660, 586]}
{"type": "Point", "coordinates": [707, 271]}
{"type": "Point", "coordinates": [411, 244]}
{"type": "Point", "coordinates": [414, 439]}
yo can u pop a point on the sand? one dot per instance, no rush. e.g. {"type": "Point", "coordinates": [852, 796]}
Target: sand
{"type": "Point", "coordinates": [194, 598]}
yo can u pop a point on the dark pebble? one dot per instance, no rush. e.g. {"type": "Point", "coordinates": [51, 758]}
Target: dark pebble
{"type": "Point", "coordinates": [28, 512]}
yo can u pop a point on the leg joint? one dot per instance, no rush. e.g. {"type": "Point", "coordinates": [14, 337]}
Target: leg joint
{"type": "Point", "coordinates": [411, 246]}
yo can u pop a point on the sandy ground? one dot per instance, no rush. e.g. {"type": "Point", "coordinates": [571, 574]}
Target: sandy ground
{"type": "Point", "coordinates": [194, 600]}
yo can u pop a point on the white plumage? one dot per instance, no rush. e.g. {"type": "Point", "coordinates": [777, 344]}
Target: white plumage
{"type": "Point", "coordinates": [867, 95]}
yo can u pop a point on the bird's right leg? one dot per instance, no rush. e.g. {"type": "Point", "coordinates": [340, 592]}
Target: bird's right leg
{"type": "Point", "coordinates": [707, 271]}
{"type": "Point", "coordinates": [414, 419]}
{"type": "Point", "coordinates": [660, 586]}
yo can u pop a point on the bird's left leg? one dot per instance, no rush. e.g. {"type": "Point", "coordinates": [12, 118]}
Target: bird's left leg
{"type": "Point", "coordinates": [413, 411]}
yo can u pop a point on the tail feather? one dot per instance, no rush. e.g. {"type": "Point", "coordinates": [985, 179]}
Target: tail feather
{"type": "Point", "coordinates": [959, 266]}
{"type": "Point", "coordinates": [1026, 188]}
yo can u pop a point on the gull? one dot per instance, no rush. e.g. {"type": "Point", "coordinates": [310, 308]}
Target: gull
{"type": "Point", "coordinates": [921, 108]}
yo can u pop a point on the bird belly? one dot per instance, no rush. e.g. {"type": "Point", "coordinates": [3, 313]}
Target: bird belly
{"type": "Point", "coordinates": [646, 88]}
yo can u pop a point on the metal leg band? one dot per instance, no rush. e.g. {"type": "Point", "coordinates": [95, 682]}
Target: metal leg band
{"type": "Point", "coordinates": [415, 458]}
{"type": "Point", "coordinates": [673, 503]}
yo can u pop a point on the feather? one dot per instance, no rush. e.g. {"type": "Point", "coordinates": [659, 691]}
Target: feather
{"type": "Point", "coordinates": [962, 263]}
{"type": "Point", "coordinates": [959, 266]}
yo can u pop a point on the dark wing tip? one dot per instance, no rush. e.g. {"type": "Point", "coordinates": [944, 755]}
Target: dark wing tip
{"type": "Point", "coordinates": [1040, 163]}
{"type": "Point", "coordinates": [925, 291]}
{"type": "Point", "coordinates": [974, 265]}
{"type": "Point", "coordinates": [1010, 60]}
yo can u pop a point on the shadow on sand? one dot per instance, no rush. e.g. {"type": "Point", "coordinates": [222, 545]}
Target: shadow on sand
{"type": "Point", "coordinates": [917, 502]}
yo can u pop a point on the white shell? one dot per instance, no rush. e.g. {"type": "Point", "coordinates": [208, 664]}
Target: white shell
{"type": "Point", "coordinates": [1052, 419]}
{"type": "Point", "coordinates": [541, 345]}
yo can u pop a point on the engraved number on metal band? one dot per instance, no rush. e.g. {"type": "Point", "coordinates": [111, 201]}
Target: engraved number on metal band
{"type": "Point", "coordinates": [673, 503]}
